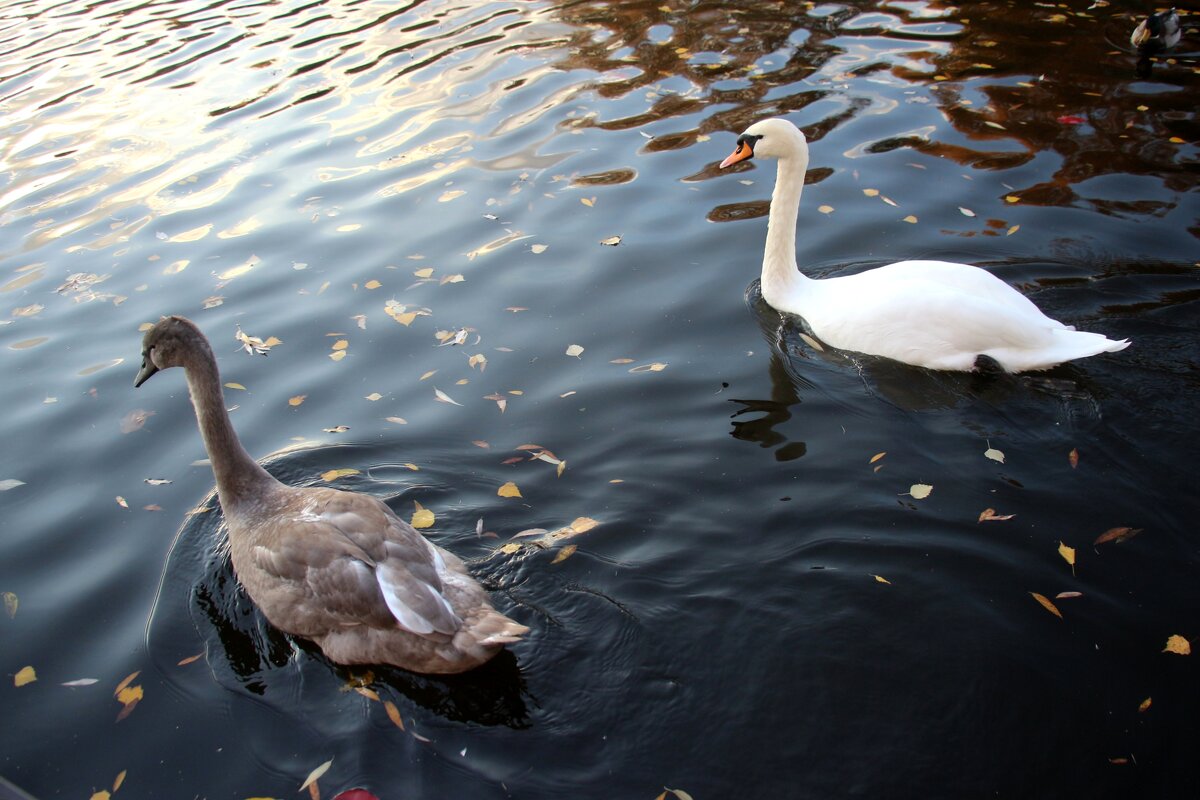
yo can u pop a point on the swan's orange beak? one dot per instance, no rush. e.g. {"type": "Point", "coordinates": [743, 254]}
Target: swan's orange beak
{"type": "Point", "coordinates": [743, 151]}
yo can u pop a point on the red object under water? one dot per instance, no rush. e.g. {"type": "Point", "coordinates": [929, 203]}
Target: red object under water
{"type": "Point", "coordinates": [1071, 119]}
{"type": "Point", "coordinates": [356, 794]}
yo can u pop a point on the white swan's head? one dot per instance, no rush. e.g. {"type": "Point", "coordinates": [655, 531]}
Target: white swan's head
{"type": "Point", "coordinates": [770, 138]}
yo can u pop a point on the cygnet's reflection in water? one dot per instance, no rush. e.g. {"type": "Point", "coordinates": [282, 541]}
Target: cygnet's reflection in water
{"type": "Point", "coordinates": [244, 652]}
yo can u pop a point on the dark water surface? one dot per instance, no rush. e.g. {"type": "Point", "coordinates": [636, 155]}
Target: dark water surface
{"type": "Point", "coordinates": [762, 610]}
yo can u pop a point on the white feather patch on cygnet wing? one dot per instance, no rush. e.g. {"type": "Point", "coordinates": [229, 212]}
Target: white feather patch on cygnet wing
{"type": "Point", "coordinates": [417, 606]}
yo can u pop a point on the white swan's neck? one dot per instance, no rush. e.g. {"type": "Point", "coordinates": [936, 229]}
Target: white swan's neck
{"type": "Point", "coordinates": [782, 281]}
{"type": "Point", "coordinates": [238, 475]}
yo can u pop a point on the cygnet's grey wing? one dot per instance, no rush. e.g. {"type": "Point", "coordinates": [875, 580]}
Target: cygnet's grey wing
{"type": "Point", "coordinates": [359, 563]}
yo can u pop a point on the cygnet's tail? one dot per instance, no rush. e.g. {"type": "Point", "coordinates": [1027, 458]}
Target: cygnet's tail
{"type": "Point", "coordinates": [493, 628]}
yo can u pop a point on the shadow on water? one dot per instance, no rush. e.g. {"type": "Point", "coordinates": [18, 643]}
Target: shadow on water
{"type": "Point", "coordinates": [245, 653]}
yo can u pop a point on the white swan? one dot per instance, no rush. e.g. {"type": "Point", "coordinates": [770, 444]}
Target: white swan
{"type": "Point", "coordinates": [333, 566]}
{"type": "Point", "coordinates": [933, 314]}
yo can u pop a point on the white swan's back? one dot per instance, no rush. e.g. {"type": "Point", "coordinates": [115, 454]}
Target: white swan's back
{"type": "Point", "coordinates": [934, 314]}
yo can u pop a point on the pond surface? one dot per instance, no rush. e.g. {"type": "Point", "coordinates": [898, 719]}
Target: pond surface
{"type": "Point", "coordinates": [764, 607]}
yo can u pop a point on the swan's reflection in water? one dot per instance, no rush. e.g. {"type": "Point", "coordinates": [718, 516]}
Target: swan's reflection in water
{"type": "Point", "coordinates": [802, 366]}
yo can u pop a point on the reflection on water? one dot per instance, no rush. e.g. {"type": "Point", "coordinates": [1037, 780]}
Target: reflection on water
{"type": "Point", "coordinates": [763, 601]}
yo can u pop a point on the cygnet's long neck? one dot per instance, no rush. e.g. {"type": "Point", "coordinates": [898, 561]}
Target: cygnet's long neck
{"type": "Point", "coordinates": [782, 281]}
{"type": "Point", "coordinates": [239, 477]}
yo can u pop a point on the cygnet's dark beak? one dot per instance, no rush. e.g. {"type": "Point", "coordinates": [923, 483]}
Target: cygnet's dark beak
{"type": "Point", "coordinates": [148, 369]}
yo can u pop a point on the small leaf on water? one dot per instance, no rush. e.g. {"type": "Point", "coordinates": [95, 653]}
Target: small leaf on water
{"type": "Point", "coordinates": [611, 241]}
{"type": "Point", "coordinates": [990, 515]}
{"type": "Point", "coordinates": [100, 795]}
{"type": "Point", "coordinates": [1117, 535]}
{"type": "Point", "coordinates": [297, 400]}
{"type": "Point", "coordinates": [575, 351]}
{"type": "Point", "coordinates": [334, 474]}
{"type": "Point", "coordinates": [1073, 458]}
{"type": "Point", "coordinates": [920, 491]}
{"type": "Point", "coordinates": [445, 398]}
{"type": "Point", "coordinates": [539, 248]}
{"type": "Point", "coordinates": [315, 774]}
{"type": "Point", "coordinates": [1068, 554]}
{"type": "Point", "coordinates": [422, 517]}
{"type": "Point", "coordinates": [877, 456]}
{"type": "Point", "coordinates": [655, 367]}
{"type": "Point", "coordinates": [509, 489]}
{"type": "Point", "coordinates": [565, 553]}
{"type": "Point", "coordinates": [157, 481]}
{"type": "Point", "coordinates": [1067, 595]}
{"type": "Point", "coordinates": [122, 502]}
{"type": "Point", "coordinates": [1144, 706]}
{"type": "Point", "coordinates": [340, 344]}
{"type": "Point", "coordinates": [588, 201]}
{"type": "Point", "coordinates": [881, 579]}
{"type": "Point", "coordinates": [373, 396]}
{"type": "Point", "coordinates": [397, 420]}
{"type": "Point", "coordinates": [119, 780]}
{"type": "Point", "coordinates": [1178, 645]}
{"type": "Point", "coordinates": [1046, 604]}
{"type": "Point", "coordinates": [81, 682]}
{"type": "Point", "coordinates": [966, 212]}
{"type": "Point", "coordinates": [911, 219]}
{"type": "Point", "coordinates": [372, 284]}
{"type": "Point", "coordinates": [825, 209]}
{"type": "Point", "coordinates": [870, 192]}
{"type": "Point", "coordinates": [183, 662]}
{"type": "Point", "coordinates": [509, 548]}
{"type": "Point", "coordinates": [994, 454]}
{"type": "Point", "coordinates": [337, 355]}
{"type": "Point", "coordinates": [336, 429]}
{"type": "Point", "coordinates": [10, 483]}
{"type": "Point", "coordinates": [10, 604]}
{"type": "Point", "coordinates": [233, 385]}
{"type": "Point", "coordinates": [1013, 230]}
{"type": "Point", "coordinates": [429, 374]}
{"type": "Point", "coordinates": [679, 793]}
{"type": "Point", "coordinates": [393, 714]}
{"type": "Point", "coordinates": [24, 676]}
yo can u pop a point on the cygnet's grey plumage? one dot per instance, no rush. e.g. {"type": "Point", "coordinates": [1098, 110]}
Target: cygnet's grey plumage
{"type": "Point", "coordinates": [339, 568]}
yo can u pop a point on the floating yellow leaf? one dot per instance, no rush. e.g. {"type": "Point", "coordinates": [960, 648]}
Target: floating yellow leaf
{"type": "Point", "coordinates": [882, 579]}
{"type": "Point", "coordinates": [315, 774]}
{"type": "Point", "coordinates": [510, 548]}
{"type": "Point", "coordinates": [451, 194]}
{"type": "Point", "coordinates": [121, 502]}
{"type": "Point", "coordinates": [393, 714]}
{"type": "Point", "coordinates": [575, 350]}
{"type": "Point", "coordinates": [911, 219]}
{"type": "Point", "coordinates": [397, 420]}
{"type": "Point", "coordinates": [373, 396]}
{"type": "Point", "coordinates": [337, 355]}
{"type": "Point", "coordinates": [1046, 604]}
{"type": "Point", "coordinates": [183, 662]}
{"type": "Point", "coordinates": [334, 474]}
{"type": "Point", "coordinates": [994, 454]}
{"type": "Point", "coordinates": [429, 374]}
{"type": "Point", "coordinates": [1178, 645]}
{"type": "Point", "coordinates": [989, 514]}
{"type": "Point", "coordinates": [1011, 198]}
{"type": "Point", "coordinates": [510, 490]}
{"type": "Point", "coordinates": [565, 553]}
{"type": "Point", "coordinates": [920, 491]}
{"type": "Point", "coordinates": [611, 241]}
{"type": "Point", "coordinates": [877, 456]}
{"type": "Point", "coordinates": [825, 209]}
{"type": "Point", "coordinates": [424, 272]}
{"type": "Point", "coordinates": [870, 192]}
{"type": "Point", "coordinates": [119, 780]}
{"type": "Point", "coordinates": [1068, 554]}
{"type": "Point", "coordinates": [1144, 706]}
{"type": "Point", "coordinates": [1073, 458]}
{"type": "Point", "coordinates": [539, 248]}
{"type": "Point", "coordinates": [588, 201]}
{"type": "Point", "coordinates": [238, 386]}
{"type": "Point", "coordinates": [100, 795]}
{"type": "Point", "coordinates": [340, 344]}
{"type": "Point", "coordinates": [422, 517]}
{"type": "Point", "coordinates": [583, 524]}
{"type": "Point", "coordinates": [655, 367]}
{"type": "Point", "coordinates": [24, 676]}
{"type": "Point", "coordinates": [372, 284]}
{"type": "Point", "coordinates": [297, 400]}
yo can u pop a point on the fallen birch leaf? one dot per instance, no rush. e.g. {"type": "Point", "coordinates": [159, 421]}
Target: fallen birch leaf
{"type": "Point", "coordinates": [575, 351]}
{"type": "Point", "coordinates": [882, 579]}
{"type": "Point", "coordinates": [445, 398]}
{"type": "Point", "coordinates": [1144, 706]}
{"type": "Point", "coordinates": [877, 456]}
{"type": "Point", "coordinates": [611, 241]}
{"type": "Point", "coordinates": [920, 491]}
{"type": "Point", "coordinates": [1067, 595]}
{"type": "Point", "coordinates": [334, 474]}
{"type": "Point", "coordinates": [1068, 554]}
{"type": "Point", "coordinates": [1178, 645]}
{"type": "Point", "coordinates": [994, 454]}
{"type": "Point", "coordinates": [510, 490]}
{"type": "Point", "coordinates": [422, 517]}
{"type": "Point", "coordinates": [24, 676]}
{"type": "Point", "coordinates": [990, 515]}
{"type": "Point", "coordinates": [297, 400]}
{"type": "Point", "coordinates": [393, 714]}
{"type": "Point", "coordinates": [1073, 458]}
